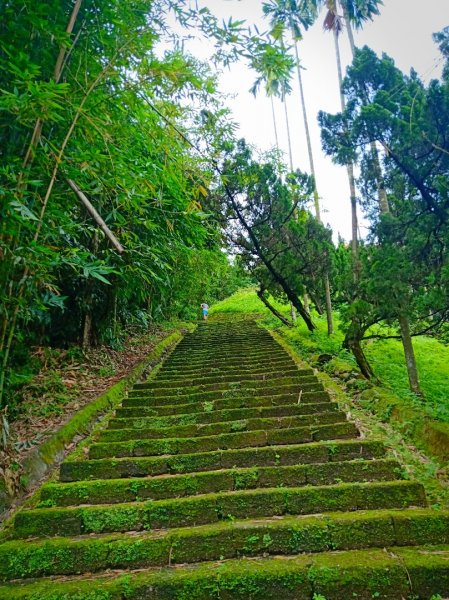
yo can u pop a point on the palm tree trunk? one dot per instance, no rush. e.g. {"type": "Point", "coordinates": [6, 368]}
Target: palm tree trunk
{"type": "Point", "coordinates": [274, 123]}
{"type": "Point", "coordinates": [290, 154]}
{"type": "Point", "coordinates": [330, 326]}
{"type": "Point", "coordinates": [307, 130]}
{"type": "Point", "coordinates": [349, 166]}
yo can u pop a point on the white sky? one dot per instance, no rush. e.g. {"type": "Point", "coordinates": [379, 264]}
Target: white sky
{"type": "Point", "coordinates": [403, 30]}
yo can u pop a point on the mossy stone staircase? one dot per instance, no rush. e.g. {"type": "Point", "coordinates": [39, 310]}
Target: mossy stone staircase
{"type": "Point", "coordinates": [230, 475]}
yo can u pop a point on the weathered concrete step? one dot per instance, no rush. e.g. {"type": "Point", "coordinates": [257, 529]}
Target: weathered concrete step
{"type": "Point", "coordinates": [210, 508]}
{"type": "Point", "coordinates": [201, 430]}
{"type": "Point", "coordinates": [218, 352]}
{"type": "Point", "coordinates": [221, 416]}
{"type": "Point", "coordinates": [211, 379]}
{"type": "Point", "coordinates": [244, 343]}
{"type": "Point", "coordinates": [113, 491]}
{"type": "Point", "coordinates": [239, 366]}
{"type": "Point", "coordinates": [315, 452]}
{"type": "Point", "coordinates": [392, 573]}
{"type": "Point", "coordinates": [147, 430]}
{"type": "Point", "coordinates": [232, 380]}
{"type": "Point", "coordinates": [215, 359]}
{"type": "Point", "coordinates": [297, 435]}
{"type": "Point", "coordinates": [226, 540]}
{"type": "Point", "coordinates": [246, 340]}
{"type": "Point", "coordinates": [158, 399]}
{"type": "Point", "coordinates": [157, 391]}
{"type": "Point", "coordinates": [233, 371]}
{"type": "Point", "coordinates": [208, 405]}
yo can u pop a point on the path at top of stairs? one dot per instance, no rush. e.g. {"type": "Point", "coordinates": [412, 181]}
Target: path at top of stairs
{"type": "Point", "coordinates": [229, 475]}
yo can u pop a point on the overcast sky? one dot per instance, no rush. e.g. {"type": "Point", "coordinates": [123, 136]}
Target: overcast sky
{"type": "Point", "coordinates": [403, 30]}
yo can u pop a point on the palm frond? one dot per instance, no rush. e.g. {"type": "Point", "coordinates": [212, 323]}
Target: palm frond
{"type": "Point", "coordinates": [333, 22]}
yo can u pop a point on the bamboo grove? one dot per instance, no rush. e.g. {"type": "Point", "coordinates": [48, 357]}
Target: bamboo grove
{"type": "Point", "coordinates": [124, 188]}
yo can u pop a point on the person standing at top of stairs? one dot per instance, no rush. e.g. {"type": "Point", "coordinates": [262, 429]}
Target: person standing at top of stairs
{"type": "Point", "coordinates": [205, 309]}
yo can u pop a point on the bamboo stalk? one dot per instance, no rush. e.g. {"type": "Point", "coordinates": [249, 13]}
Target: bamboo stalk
{"type": "Point", "coordinates": [96, 216]}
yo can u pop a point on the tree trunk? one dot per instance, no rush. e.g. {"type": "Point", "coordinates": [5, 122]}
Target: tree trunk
{"type": "Point", "coordinates": [409, 354]}
{"type": "Point", "coordinates": [327, 290]}
{"type": "Point", "coordinates": [293, 312]}
{"type": "Point", "coordinates": [352, 342]}
{"type": "Point", "coordinates": [287, 124]}
{"type": "Point", "coordinates": [270, 307]}
{"type": "Point", "coordinates": [87, 329]}
{"type": "Point", "coordinates": [274, 123]}
{"type": "Point", "coordinates": [384, 207]}
{"type": "Point", "coordinates": [348, 28]}
{"type": "Point", "coordinates": [308, 140]}
{"type": "Point", "coordinates": [317, 303]}
{"type": "Point", "coordinates": [365, 368]}
{"type": "Point", "coordinates": [306, 302]}
{"type": "Point", "coordinates": [349, 166]}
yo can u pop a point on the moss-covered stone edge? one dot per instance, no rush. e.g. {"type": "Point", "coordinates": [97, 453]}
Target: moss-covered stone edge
{"type": "Point", "coordinates": [390, 574]}
{"type": "Point", "coordinates": [42, 460]}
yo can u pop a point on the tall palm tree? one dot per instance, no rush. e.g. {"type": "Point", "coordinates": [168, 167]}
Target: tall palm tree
{"type": "Point", "coordinates": [288, 14]}
{"type": "Point", "coordinates": [275, 73]}
{"type": "Point", "coordinates": [274, 68]}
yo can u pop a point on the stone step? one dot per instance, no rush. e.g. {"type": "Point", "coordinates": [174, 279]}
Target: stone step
{"type": "Point", "coordinates": [142, 406]}
{"type": "Point", "coordinates": [391, 573]}
{"type": "Point", "coordinates": [202, 348]}
{"type": "Point", "coordinates": [231, 372]}
{"type": "Point", "coordinates": [222, 416]}
{"type": "Point", "coordinates": [112, 491]}
{"type": "Point", "coordinates": [227, 358]}
{"type": "Point", "coordinates": [315, 452]}
{"type": "Point", "coordinates": [211, 508]}
{"type": "Point", "coordinates": [201, 430]}
{"type": "Point", "coordinates": [206, 380]}
{"type": "Point", "coordinates": [231, 380]}
{"type": "Point", "coordinates": [256, 438]}
{"type": "Point", "coordinates": [225, 540]}
{"type": "Point", "coordinates": [156, 391]}
{"type": "Point", "coordinates": [239, 366]}
{"type": "Point", "coordinates": [160, 397]}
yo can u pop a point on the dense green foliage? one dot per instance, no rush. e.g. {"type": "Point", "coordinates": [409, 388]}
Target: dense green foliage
{"type": "Point", "coordinates": [103, 105]}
